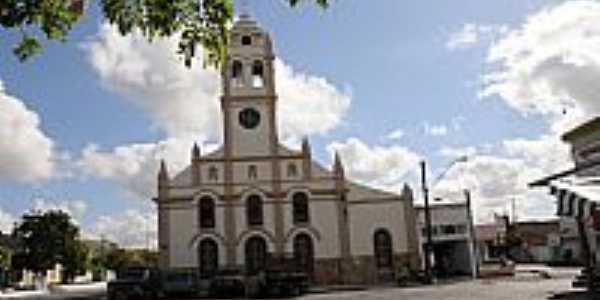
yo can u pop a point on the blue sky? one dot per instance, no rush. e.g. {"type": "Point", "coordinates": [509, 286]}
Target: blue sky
{"type": "Point", "coordinates": [415, 68]}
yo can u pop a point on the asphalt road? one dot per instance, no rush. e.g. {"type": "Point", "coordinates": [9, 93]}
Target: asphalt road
{"type": "Point", "coordinates": [499, 289]}
{"type": "Point", "coordinates": [526, 287]}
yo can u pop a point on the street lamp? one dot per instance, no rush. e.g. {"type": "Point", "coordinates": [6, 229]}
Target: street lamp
{"type": "Point", "coordinates": [429, 241]}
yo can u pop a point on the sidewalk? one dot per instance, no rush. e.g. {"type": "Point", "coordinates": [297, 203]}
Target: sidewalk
{"type": "Point", "coordinates": [12, 294]}
{"type": "Point", "coordinates": [70, 290]}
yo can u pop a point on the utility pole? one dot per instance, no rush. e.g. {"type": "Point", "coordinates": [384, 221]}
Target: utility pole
{"type": "Point", "coordinates": [428, 243]}
{"type": "Point", "coordinates": [474, 250]}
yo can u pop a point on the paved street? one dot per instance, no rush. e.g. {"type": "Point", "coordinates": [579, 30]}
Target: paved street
{"type": "Point", "coordinates": [523, 286]}
{"type": "Point", "coordinates": [506, 289]}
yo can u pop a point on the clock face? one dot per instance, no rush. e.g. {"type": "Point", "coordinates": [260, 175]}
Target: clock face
{"type": "Point", "coordinates": [249, 118]}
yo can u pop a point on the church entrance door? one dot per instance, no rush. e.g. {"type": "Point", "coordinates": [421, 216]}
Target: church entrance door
{"type": "Point", "coordinates": [256, 254]}
{"type": "Point", "coordinates": [304, 253]}
{"type": "Point", "coordinates": [208, 256]}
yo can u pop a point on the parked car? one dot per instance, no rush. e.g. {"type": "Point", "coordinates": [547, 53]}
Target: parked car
{"type": "Point", "coordinates": [135, 283]}
{"type": "Point", "coordinates": [228, 283]}
{"type": "Point", "coordinates": [179, 283]}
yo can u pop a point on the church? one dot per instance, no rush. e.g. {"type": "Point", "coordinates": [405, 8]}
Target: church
{"type": "Point", "coordinates": [253, 197]}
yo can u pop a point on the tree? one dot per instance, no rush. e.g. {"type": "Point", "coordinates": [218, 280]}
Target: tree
{"type": "Point", "coordinates": [197, 22]}
{"type": "Point", "coordinates": [5, 258]}
{"type": "Point", "coordinates": [47, 239]}
{"type": "Point", "coordinates": [117, 259]}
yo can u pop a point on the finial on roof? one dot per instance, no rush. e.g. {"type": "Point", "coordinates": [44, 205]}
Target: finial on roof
{"type": "Point", "coordinates": [195, 151]}
{"type": "Point", "coordinates": [305, 146]}
{"type": "Point", "coordinates": [406, 190]}
{"type": "Point", "coordinates": [338, 167]}
{"type": "Point", "coordinates": [163, 174]}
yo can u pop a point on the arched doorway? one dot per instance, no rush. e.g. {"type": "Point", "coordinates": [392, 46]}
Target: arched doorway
{"type": "Point", "coordinates": [256, 254]}
{"type": "Point", "coordinates": [208, 257]}
{"type": "Point", "coordinates": [304, 253]}
{"type": "Point", "coordinates": [383, 249]}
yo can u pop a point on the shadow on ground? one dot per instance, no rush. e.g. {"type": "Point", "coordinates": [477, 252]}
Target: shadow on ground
{"type": "Point", "coordinates": [575, 295]}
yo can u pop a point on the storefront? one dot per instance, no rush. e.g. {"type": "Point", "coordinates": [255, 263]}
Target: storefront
{"type": "Point", "coordinates": [577, 190]}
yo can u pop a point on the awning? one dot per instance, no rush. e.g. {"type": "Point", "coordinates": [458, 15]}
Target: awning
{"type": "Point", "coordinates": [577, 197]}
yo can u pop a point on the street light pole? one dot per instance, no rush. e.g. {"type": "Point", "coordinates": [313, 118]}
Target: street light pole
{"type": "Point", "coordinates": [428, 243]}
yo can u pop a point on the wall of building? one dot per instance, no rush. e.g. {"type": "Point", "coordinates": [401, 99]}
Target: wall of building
{"type": "Point", "coordinates": [183, 228]}
{"type": "Point", "coordinates": [322, 228]}
{"type": "Point", "coordinates": [366, 218]}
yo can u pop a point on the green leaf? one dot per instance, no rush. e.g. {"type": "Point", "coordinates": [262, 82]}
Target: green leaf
{"type": "Point", "coordinates": [27, 48]}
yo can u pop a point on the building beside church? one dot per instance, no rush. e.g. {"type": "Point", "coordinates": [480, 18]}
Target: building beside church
{"type": "Point", "coordinates": [253, 197]}
{"type": "Point", "coordinates": [453, 250]}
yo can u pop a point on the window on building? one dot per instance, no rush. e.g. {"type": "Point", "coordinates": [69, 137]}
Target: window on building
{"type": "Point", "coordinates": [213, 173]}
{"type": "Point", "coordinates": [448, 229]}
{"type": "Point", "coordinates": [383, 249]}
{"type": "Point", "coordinates": [208, 256]}
{"type": "Point", "coordinates": [254, 210]}
{"type": "Point", "coordinates": [292, 170]}
{"type": "Point", "coordinates": [258, 78]}
{"type": "Point", "coordinates": [252, 172]}
{"type": "Point", "coordinates": [300, 207]}
{"type": "Point", "coordinates": [256, 255]}
{"type": "Point", "coordinates": [246, 40]}
{"type": "Point", "coordinates": [237, 73]}
{"type": "Point", "coordinates": [207, 212]}
{"type": "Point", "coordinates": [304, 253]}
{"type": "Point", "coordinates": [462, 229]}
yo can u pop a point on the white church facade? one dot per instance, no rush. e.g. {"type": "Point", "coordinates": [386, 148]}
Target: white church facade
{"type": "Point", "coordinates": [254, 197]}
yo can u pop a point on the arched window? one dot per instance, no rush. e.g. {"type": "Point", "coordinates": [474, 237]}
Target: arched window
{"type": "Point", "coordinates": [304, 253]}
{"type": "Point", "coordinates": [254, 210]}
{"type": "Point", "coordinates": [246, 40]}
{"type": "Point", "coordinates": [258, 78]}
{"type": "Point", "coordinates": [207, 212]}
{"type": "Point", "coordinates": [252, 172]}
{"type": "Point", "coordinates": [383, 249]}
{"type": "Point", "coordinates": [213, 173]}
{"type": "Point", "coordinates": [208, 257]}
{"type": "Point", "coordinates": [292, 170]}
{"type": "Point", "coordinates": [300, 206]}
{"type": "Point", "coordinates": [256, 254]}
{"type": "Point", "coordinates": [237, 73]}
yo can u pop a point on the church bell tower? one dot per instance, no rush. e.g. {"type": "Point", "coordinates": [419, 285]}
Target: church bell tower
{"type": "Point", "coordinates": [249, 98]}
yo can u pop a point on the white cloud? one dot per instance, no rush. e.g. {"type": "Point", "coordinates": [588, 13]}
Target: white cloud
{"type": "Point", "coordinates": [464, 38]}
{"type": "Point", "coordinates": [550, 65]}
{"type": "Point", "coordinates": [75, 208]}
{"type": "Point", "coordinates": [435, 130]}
{"type": "Point", "coordinates": [130, 229]}
{"type": "Point", "coordinates": [471, 34]}
{"type": "Point", "coordinates": [396, 134]}
{"type": "Point", "coordinates": [180, 101]}
{"type": "Point", "coordinates": [185, 102]}
{"type": "Point", "coordinates": [455, 152]}
{"type": "Point", "coordinates": [307, 104]}
{"type": "Point", "coordinates": [135, 166]}
{"type": "Point", "coordinates": [504, 174]}
{"type": "Point", "coordinates": [26, 152]}
{"type": "Point", "coordinates": [7, 220]}
{"type": "Point", "coordinates": [378, 165]}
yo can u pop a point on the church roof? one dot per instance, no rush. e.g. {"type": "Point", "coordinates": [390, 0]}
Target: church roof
{"type": "Point", "coordinates": [246, 23]}
{"type": "Point", "coordinates": [364, 192]}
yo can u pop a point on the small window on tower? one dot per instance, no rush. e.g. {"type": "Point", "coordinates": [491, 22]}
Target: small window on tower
{"type": "Point", "coordinates": [246, 40]}
{"type": "Point", "coordinates": [258, 78]}
{"type": "Point", "coordinates": [237, 74]}
{"type": "Point", "coordinates": [213, 173]}
{"type": "Point", "coordinates": [252, 173]}
{"type": "Point", "coordinates": [292, 170]}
